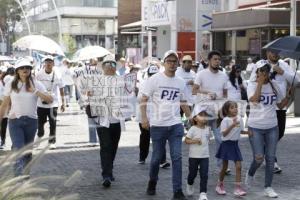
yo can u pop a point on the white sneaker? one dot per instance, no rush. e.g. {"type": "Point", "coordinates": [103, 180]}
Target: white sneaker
{"type": "Point", "coordinates": [269, 192]}
{"type": "Point", "coordinates": [249, 180]}
{"type": "Point", "coordinates": [189, 189]}
{"type": "Point", "coordinates": [203, 196]}
{"type": "Point", "coordinates": [52, 146]}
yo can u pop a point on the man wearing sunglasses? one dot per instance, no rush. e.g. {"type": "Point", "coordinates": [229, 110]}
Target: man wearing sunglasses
{"type": "Point", "coordinates": [53, 83]}
{"type": "Point", "coordinates": [282, 74]}
{"type": "Point", "coordinates": [188, 76]}
{"type": "Point", "coordinates": [167, 92]}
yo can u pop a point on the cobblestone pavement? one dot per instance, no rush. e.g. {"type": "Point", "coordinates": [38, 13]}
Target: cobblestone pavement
{"type": "Point", "coordinates": [73, 153]}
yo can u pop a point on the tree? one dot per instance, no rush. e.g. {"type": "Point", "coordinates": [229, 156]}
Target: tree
{"type": "Point", "coordinates": [70, 44]}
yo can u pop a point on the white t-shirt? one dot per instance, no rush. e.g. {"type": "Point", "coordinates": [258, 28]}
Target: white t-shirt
{"type": "Point", "coordinates": [287, 77]}
{"type": "Point", "coordinates": [187, 76]}
{"type": "Point", "coordinates": [263, 114]}
{"type": "Point", "coordinates": [196, 150]}
{"type": "Point", "coordinates": [234, 93]}
{"type": "Point", "coordinates": [7, 79]}
{"type": "Point", "coordinates": [52, 87]}
{"type": "Point", "coordinates": [23, 103]}
{"type": "Point", "coordinates": [234, 134]}
{"type": "Point", "coordinates": [250, 67]}
{"type": "Point", "coordinates": [166, 93]}
{"type": "Point", "coordinates": [67, 75]}
{"type": "Point", "coordinates": [212, 82]}
{"type": "Point", "coordinates": [1, 90]}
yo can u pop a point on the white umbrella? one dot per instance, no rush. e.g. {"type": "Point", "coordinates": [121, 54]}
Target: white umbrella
{"type": "Point", "coordinates": [6, 58]}
{"type": "Point", "coordinates": [90, 52]}
{"type": "Point", "coordinates": [40, 43]}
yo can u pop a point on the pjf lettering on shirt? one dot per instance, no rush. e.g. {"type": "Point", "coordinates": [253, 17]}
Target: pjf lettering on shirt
{"type": "Point", "coordinates": [170, 94]}
{"type": "Point", "coordinates": [268, 99]}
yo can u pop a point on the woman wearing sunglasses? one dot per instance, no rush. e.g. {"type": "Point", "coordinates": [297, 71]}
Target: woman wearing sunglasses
{"type": "Point", "coordinates": [264, 95]}
{"type": "Point", "coordinates": [21, 95]}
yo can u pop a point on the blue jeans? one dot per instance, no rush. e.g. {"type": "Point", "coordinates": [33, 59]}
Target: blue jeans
{"type": "Point", "coordinates": [217, 134]}
{"type": "Point", "coordinates": [92, 130]}
{"type": "Point", "coordinates": [159, 136]}
{"type": "Point", "coordinates": [22, 132]}
{"type": "Point", "coordinates": [263, 143]}
{"type": "Point", "coordinates": [202, 165]}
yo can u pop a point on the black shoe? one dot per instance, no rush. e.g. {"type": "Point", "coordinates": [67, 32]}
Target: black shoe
{"type": "Point", "coordinates": [141, 162]}
{"type": "Point", "coordinates": [165, 165]}
{"type": "Point", "coordinates": [106, 183]}
{"type": "Point", "coordinates": [277, 170]}
{"type": "Point", "coordinates": [228, 172]}
{"type": "Point", "coordinates": [179, 195]}
{"type": "Point", "coordinates": [151, 190]}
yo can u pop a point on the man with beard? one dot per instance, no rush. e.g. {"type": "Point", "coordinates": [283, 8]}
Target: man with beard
{"type": "Point", "coordinates": [212, 83]}
{"type": "Point", "coordinates": [283, 75]}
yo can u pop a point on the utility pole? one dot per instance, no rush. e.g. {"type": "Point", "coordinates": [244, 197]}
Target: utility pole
{"type": "Point", "coordinates": [293, 26]}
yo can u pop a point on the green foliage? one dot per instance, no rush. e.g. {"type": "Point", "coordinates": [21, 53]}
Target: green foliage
{"type": "Point", "coordinates": [70, 44]}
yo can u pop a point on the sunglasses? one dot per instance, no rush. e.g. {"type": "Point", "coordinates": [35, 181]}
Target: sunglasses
{"type": "Point", "coordinates": [171, 61]}
{"type": "Point", "coordinates": [109, 64]}
{"type": "Point", "coordinates": [24, 67]}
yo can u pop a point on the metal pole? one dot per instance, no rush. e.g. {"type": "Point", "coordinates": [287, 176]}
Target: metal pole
{"type": "Point", "coordinates": [59, 23]}
{"type": "Point", "coordinates": [196, 32]}
{"type": "Point", "coordinates": [293, 26]}
{"type": "Point", "coordinates": [149, 46]}
{"type": "Point", "coordinates": [2, 41]}
{"type": "Point", "coordinates": [25, 17]}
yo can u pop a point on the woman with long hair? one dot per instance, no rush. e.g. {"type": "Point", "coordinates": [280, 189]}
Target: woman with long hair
{"type": "Point", "coordinates": [235, 84]}
{"type": "Point", "coordinates": [264, 97]}
{"type": "Point", "coordinates": [21, 95]}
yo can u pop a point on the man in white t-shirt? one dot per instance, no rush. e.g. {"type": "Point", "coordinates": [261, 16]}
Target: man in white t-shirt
{"type": "Point", "coordinates": [54, 85]}
{"type": "Point", "coordinates": [283, 75]}
{"type": "Point", "coordinates": [188, 76]}
{"type": "Point", "coordinates": [212, 82]}
{"type": "Point", "coordinates": [167, 92]}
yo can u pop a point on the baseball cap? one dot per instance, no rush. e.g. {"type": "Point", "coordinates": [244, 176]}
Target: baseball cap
{"type": "Point", "coordinates": [261, 63]}
{"type": "Point", "coordinates": [122, 59]}
{"type": "Point", "coordinates": [48, 57]}
{"type": "Point", "coordinates": [109, 59]}
{"type": "Point", "coordinates": [169, 53]}
{"type": "Point", "coordinates": [199, 109]}
{"type": "Point", "coordinates": [187, 58]}
{"type": "Point", "coordinates": [152, 69]}
{"type": "Point", "coordinates": [22, 63]}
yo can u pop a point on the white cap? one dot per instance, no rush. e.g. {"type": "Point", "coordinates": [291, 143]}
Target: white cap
{"type": "Point", "coordinates": [22, 63]}
{"type": "Point", "coordinates": [29, 58]}
{"type": "Point", "coordinates": [152, 69]}
{"type": "Point", "coordinates": [261, 63]}
{"type": "Point", "coordinates": [48, 57]}
{"type": "Point", "coordinates": [168, 53]}
{"type": "Point", "coordinates": [187, 58]}
{"type": "Point", "coordinates": [109, 58]}
{"type": "Point", "coordinates": [249, 59]}
{"type": "Point", "coordinates": [198, 109]}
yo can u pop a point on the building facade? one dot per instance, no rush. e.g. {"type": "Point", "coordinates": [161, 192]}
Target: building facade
{"type": "Point", "coordinates": [79, 22]}
{"type": "Point", "coordinates": [242, 31]}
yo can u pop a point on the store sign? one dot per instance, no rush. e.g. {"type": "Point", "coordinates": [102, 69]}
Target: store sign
{"type": "Point", "coordinates": [156, 13]}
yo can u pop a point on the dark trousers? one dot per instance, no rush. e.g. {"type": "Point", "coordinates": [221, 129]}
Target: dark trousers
{"type": "Point", "coordinates": [194, 164]}
{"type": "Point", "coordinates": [145, 143]}
{"type": "Point", "coordinates": [43, 114]}
{"type": "Point", "coordinates": [281, 118]}
{"type": "Point", "coordinates": [3, 130]}
{"type": "Point", "coordinates": [109, 141]}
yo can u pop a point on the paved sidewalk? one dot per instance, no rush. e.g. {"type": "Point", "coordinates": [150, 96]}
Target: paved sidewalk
{"type": "Point", "coordinates": [73, 153]}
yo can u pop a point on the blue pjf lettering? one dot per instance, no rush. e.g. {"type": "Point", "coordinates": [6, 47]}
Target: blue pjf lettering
{"type": "Point", "coordinates": [273, 98]}
{"type": "Point", "coordinates": [175, 95]}
{"type": "Point", "coordinates": [164, 93]}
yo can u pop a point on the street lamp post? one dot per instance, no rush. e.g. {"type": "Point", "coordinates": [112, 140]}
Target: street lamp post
{"type": "Point", "coordinates": [59, 23]}
{"type": "Point", "coordinates": [2, 41]}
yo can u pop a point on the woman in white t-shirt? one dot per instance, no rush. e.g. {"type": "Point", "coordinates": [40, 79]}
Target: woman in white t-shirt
{"type": "Point", "coordinates": [264, 97]}
{"type": "Point", "coordinates": [235, 84]}
{"type": "Point", "coordinates": [21, 94]}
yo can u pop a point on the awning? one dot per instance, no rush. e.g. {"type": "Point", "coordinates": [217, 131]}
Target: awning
{"type": "Point", "coordinates": [131, 25]}
{"type": "Point", "coordinates": [250, 18]}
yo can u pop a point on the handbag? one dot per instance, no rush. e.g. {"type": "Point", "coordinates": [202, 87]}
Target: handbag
{"type": "Point", "coordinates": [88, 112]}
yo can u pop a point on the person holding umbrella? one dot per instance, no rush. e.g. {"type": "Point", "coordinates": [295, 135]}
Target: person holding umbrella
{"type": "Point", "coordinates": [283, 75]}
